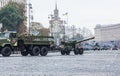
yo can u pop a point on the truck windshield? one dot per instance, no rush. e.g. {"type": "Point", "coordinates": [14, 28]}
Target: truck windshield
{"type": "Point", "coordinates": [4, 35]}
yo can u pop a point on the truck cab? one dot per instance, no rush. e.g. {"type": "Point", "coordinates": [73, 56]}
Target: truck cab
{"type": "Point", "coordinates": [7, 40]}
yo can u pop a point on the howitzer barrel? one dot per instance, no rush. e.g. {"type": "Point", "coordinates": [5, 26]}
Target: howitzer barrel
{"type": "Point", "coordinates": [85, 39]}
{"type": "Point", "coordinates": [76, 42]}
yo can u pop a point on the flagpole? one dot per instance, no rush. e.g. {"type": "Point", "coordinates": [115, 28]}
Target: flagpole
{"type": "Point", "coordinates": [66, 14]}
{"type": "Point", "coordinates": [67, 19]}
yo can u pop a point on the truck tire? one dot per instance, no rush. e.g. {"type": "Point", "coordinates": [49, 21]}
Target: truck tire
{"type": "Point", "coordinates": [62, 52]}
{"type": "Point", "coordinates": [43, 51]}
{"type": "Point", "coordinates": [21, 45]}
{"type": "Point", "coordinates": [31, 53]}
{"type": "Point", "coordinates": [6, 51]}
{"type": "Point", "coordinates": [25, 53]}
{"type": "Point", "coordinates": [81, 51]}
{"type": "Point", "coordinates": [76, 52]}
{"type": "Point", "coordinates": [35, 51]}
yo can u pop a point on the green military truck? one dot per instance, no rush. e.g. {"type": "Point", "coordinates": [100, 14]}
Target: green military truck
{"type": "Point", "coordinates": [26, 44]}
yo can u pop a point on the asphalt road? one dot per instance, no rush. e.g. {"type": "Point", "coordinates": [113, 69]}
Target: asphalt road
{"type": "Point", "coordinates": [92, 63]}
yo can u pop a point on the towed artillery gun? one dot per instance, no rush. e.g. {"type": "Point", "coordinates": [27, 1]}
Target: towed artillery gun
{"type": "Point", "coordinates": [26, 44]}
{"type": "Point", "coordinates": [67, 47]}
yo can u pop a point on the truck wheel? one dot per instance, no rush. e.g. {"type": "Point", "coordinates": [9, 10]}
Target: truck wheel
{"type": "Point", "coordinates": [21, 45]}
{"type": "Point", "coordinates": [6, 51]}
{"type": "Point", "coordinates": [81, 51]}
{"type": "Point", "coordinates": [62, 52]}
{"type": "Point", "coordinates": [25, 53]}
{"type": "Point", "coordinates": [31, 53]}
{"type": "Point", "coordinates": [35, 51]}
{"type": "Point", "coordinates": [43, 51]}
{"type": "Point", "coordinates": [76, 52]}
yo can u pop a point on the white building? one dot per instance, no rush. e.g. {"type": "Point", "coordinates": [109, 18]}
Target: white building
{"type": "Point", "coordinates": [56, 26]}
{"type": "Point", "coordinates": [108, 34]}
{"type": "Point", "coordinates": [70, 31]}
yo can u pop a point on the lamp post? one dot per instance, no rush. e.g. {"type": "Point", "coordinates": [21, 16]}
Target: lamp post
{"type": "Point", "coordinates": [29, 8]}
{"type": "Point", "coordinates": [66, 14]}
{"type": "Point", "coordinates": [73, 31]}
{"type": "Point", "coordinates": [50, 22]}
{"type": "Point", "coordinates": [1, 25]}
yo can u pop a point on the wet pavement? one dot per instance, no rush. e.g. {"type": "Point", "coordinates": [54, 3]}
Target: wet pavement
{"type": "Point", "coordinates": [92, 63]}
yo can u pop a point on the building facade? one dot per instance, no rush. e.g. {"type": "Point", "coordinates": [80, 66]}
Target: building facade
{"type": "Point", "coordinates": [70, 32]}
{"type": "Point", "coordinates": [56, 26]}
{"type": "Point", "coordinates": [108, 34]}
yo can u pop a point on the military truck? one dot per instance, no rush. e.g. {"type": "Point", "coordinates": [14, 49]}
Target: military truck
{"type": "Point", "coordinates": [26, 44]}
{"type": "Point", "coordinates": [75, 46]}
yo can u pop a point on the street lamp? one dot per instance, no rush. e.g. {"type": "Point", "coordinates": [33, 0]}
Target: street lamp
{"type": "Point", "coordinates": [73, 31]}
{"type": "Point", "coordinates": [50, 22]}
{"type": "Point", "coordinates": [66, 14]}
{"type": "Point", "coordinates": [29, 8]}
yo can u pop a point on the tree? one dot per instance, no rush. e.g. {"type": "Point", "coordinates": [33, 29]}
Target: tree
{"type": "Point", "coordinates": [86, 32]}
{"type": "Point", "coordinates": [79, 37]}
{"type": "Point", "coordinates": [44, 32]}
{"type": "Point", "coordinates": [22, 29]}
{"type": "Point", "coordinates": [11, 16]}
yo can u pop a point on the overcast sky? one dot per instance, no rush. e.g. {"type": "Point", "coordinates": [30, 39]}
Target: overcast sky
{"type": "Point", "coordinates": [81, 13]}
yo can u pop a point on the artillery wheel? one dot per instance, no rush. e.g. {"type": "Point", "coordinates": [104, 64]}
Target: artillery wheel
{"type": "Point", "coordinates": [43, 51]}
{"type": "Point", "coordinates": [35, 51]}
{"type": "Point", "coordinates": [76, 52]}
{"type": "Point", "coordinates": [67, 52]}
{"type": "Point", "coordinates": [81, 51]}
{"type": "Point", "coordinates": [62, 52]}
{"type": "Point", "coordinates": [6, 51]}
